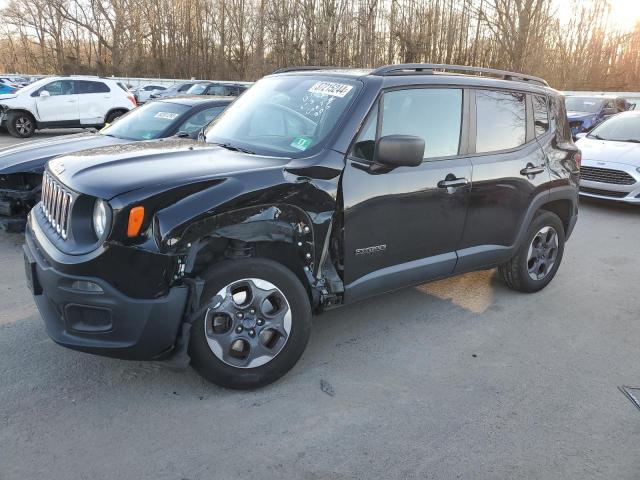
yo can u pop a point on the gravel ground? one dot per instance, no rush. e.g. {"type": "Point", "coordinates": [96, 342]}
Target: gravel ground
{"type": "Point", "coordinates": [461, 378]}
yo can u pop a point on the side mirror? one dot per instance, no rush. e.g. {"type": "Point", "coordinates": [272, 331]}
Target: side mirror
{"type": "Point", "coordinates": [44, 93]}
{"type": "Point", "coordinates": [581, 135]}
{"type": "Point", "coordinates": [400, 151]}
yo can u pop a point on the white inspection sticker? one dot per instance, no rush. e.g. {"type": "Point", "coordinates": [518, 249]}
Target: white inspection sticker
{"type": "Point", "coordinates": [166, 115]}
{"type": "Point", "coordinates": [330, 88]}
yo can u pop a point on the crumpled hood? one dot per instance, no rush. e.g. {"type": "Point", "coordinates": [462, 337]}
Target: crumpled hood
{"type": "Point", "coordinates": [31, 156]}
{"type": "Point", "coordinates": [7, 96]}
{"type": "Point", "coordinates": [111, 171]}
{"type": "Point", "coordinates": [607, 151]}
{"type": "Point", "coordinates": [572, 115]}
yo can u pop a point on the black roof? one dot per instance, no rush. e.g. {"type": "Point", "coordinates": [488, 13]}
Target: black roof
{"type": "Point", "coordinates": [192, 100]}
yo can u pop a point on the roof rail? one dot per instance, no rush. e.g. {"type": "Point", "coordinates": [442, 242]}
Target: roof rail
{"type": "Point", "coordinates": [302, 68]}
{"type": "Point", "coordinates": [429, 69]}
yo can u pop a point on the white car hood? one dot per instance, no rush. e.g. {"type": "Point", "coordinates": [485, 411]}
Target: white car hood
{"type": "Point", "coordinates": [606, 151]}
{"type": "Point", "coordinates": [7, 96]}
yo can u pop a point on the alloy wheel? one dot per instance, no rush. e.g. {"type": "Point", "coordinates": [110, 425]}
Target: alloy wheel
{"type": "Point", "coordinates": [543, 252]}
{"type": "Point", "coordinates": [248, 323]}
{"type": "Point", "coordinates": [23, 125]}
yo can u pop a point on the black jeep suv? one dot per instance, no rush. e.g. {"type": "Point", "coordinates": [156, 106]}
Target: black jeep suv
{"type": "Point", "coordinates": [316, 188]}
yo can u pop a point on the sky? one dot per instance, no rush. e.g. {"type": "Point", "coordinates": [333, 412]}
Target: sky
{"type": "Point", "coordinates": [624, 13]}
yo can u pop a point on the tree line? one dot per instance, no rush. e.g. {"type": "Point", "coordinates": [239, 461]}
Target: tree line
{"type": "Point", "coordinates": [245, 39]}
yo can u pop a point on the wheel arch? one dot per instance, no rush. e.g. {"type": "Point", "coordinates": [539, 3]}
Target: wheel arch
{"type": "Point", "coordinates": [10, 110]}
{"type": "Point", "coordinates": [280, 232]}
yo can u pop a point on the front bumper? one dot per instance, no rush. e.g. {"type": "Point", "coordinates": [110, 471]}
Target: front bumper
{"type": "Point", "coordinates": [106, 323]}
{"type": "Point", "coordinates": [612, 191]}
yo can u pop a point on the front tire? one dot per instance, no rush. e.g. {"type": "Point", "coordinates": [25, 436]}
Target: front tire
{"type": "Point", "coordinates": [538, 258]}
{"type": "Point", "coordinates": [255, 325]}
{"type": "Point", "coordinates": [21, 124]}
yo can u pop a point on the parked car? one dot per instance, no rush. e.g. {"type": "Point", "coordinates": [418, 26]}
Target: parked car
{"type": "Point", "coordinates": [9, 83]}
{"type": "Point", "coordinates": [21, 166]}
{"type": "Point", "coordinates": [584, 113]}
{"type": "Point", "coordinates": [314, 189]}
{"type": "Point", "coordinates": [6, 89]}
{"type": "Point", "coordinates": [611, 159]}
{"type": "Point", "coordinates": [218, 88]}
{"type": "Point", "coordinates": [143, 93]}
{"type": "Point", "coordinates": [174, 90]}
{"type": "Point", "coordinates": [57, 102]}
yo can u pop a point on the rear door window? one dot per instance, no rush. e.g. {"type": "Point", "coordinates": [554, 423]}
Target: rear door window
{"type": "Point", "coordinates": [501, 120]}
{"type": "Point", "coordinates": [85, 87]}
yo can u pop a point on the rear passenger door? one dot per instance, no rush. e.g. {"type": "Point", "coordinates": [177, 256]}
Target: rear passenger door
{"type": "Point", "coordinates": [402, 225]}
{"type": "Point", "coordinates": [509, 172]}
{"type": "Point", "coordinates": [94, 101]}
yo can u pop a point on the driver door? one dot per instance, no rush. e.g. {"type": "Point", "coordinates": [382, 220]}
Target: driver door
{"type": "Point", "coordinates": [402, 226]}
{"type": "Point", "coordinates": [61, 105]}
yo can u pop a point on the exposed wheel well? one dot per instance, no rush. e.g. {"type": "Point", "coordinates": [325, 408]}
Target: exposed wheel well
{"type": "Point", "coordinates": [22, 110]}
{"type": "Point", "coordinates": [562, 208]}
{"type": "Point", "coordinates": [215, 249]}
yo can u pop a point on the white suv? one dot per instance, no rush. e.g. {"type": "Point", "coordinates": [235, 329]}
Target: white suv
{"type": "Point", "coordinates": [60, 102]}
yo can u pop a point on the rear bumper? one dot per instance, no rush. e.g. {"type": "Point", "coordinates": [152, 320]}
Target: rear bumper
{"type": "Point", "coordinates": [105, 322]}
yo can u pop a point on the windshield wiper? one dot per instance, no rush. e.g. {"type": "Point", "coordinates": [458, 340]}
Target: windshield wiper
{"type": "Point", "coordinates": [596, 136]}
{"type": "Point", "coordinates": [235, 148]}
{"type": "Point", "coordinates": [630, 140]}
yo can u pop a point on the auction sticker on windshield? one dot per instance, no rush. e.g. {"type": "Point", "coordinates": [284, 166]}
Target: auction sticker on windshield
{"type": "Point", "coordinates": [330, 88]}
{"type": "Point", "coordinates": [166, 115]}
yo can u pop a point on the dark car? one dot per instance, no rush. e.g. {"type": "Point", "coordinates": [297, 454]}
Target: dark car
{"type": "Point", "coordinates": [218, 88]}
{"type": "Point", "coordinates": [315, 189]}
{"type": "Point", "coordinates": [584, 113]}
{"type": "Point", "coordinates": [21, 166]}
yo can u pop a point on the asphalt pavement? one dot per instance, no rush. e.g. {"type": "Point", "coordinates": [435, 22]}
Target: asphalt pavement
{"type": "Point", "coordinates": [457, 379]}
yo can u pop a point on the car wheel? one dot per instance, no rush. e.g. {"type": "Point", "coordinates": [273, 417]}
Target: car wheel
{"type": "Point", "coordinates": [255, 323]}
{"type": "Point", "coordinates": [20, 124]}
{"type": "Point", "coordinates": [113, 115]}
{"type": "Point", "coordinates": [538, 258]}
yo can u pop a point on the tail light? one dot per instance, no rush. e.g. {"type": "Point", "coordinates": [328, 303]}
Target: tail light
{"type": "Point", "coordinates": [578, 158]}
{"type": "Point", "coordinates": [132, 99]}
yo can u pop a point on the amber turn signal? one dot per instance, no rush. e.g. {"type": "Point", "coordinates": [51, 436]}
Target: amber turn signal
{"type": "Point", "coordinates": [136, 216]}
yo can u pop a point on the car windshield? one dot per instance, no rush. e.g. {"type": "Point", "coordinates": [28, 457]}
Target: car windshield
{"type": "Point", "coordinates": [581, 104]}
{"type": "Point", "coordinates": [146, 122]}
{"type": "Point", "coordinates": [197, 89]}
{"type": "Point", "coordinates": [620, 128]}
{"type": "Point", "coordinates": [34, 86]}
{"type": "Point", "coordinates": [284, 115]}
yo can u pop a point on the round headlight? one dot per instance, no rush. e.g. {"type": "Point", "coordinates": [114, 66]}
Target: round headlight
{"type": "Point", "coordinates": [100, 217]}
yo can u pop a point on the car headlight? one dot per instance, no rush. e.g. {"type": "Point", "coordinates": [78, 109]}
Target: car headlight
{"type": "Point", "coordinates": [100, 217]}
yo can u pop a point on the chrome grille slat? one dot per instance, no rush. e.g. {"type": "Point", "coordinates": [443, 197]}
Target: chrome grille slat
{"type": "Point", "coordinates": [606, 175]}
{"type": "Point", "coordinates": [56, 205]}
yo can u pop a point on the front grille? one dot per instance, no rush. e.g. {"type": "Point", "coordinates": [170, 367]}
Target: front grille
{"type": "Point", "coordinates": [604, 193]}
{"type": "Point", "coordinates": [56, 205]}
{"type": "Point", "coordinates": [606, 175]}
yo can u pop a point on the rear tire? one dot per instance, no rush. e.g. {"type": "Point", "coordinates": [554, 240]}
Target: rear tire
{"type": "Point", "coordinates": [245, 338]}
{"type": "Point", "coordinates": [538, 258]}
{"type": "Point", "coordinates": [20, 124]}
{"type": "Point", "coordinates": [111, 116]}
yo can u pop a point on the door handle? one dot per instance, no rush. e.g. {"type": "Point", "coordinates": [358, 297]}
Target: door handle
{"type": "Point", "coordinates": [450, 182]}
{"type": "Point", "coordinates": [530, 169]}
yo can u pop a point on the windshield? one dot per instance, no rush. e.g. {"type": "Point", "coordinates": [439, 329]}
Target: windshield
{"type": "Point", "coordinates": [620, 128]}
{"type": "Point", "coordinates": [284, 115]}
{"type": "Point", "coordinates": [146, 122]}
{"type": "Point", "coordinates": [197, 89]}
{"type": "Point", "coordinates": [581, 104]}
